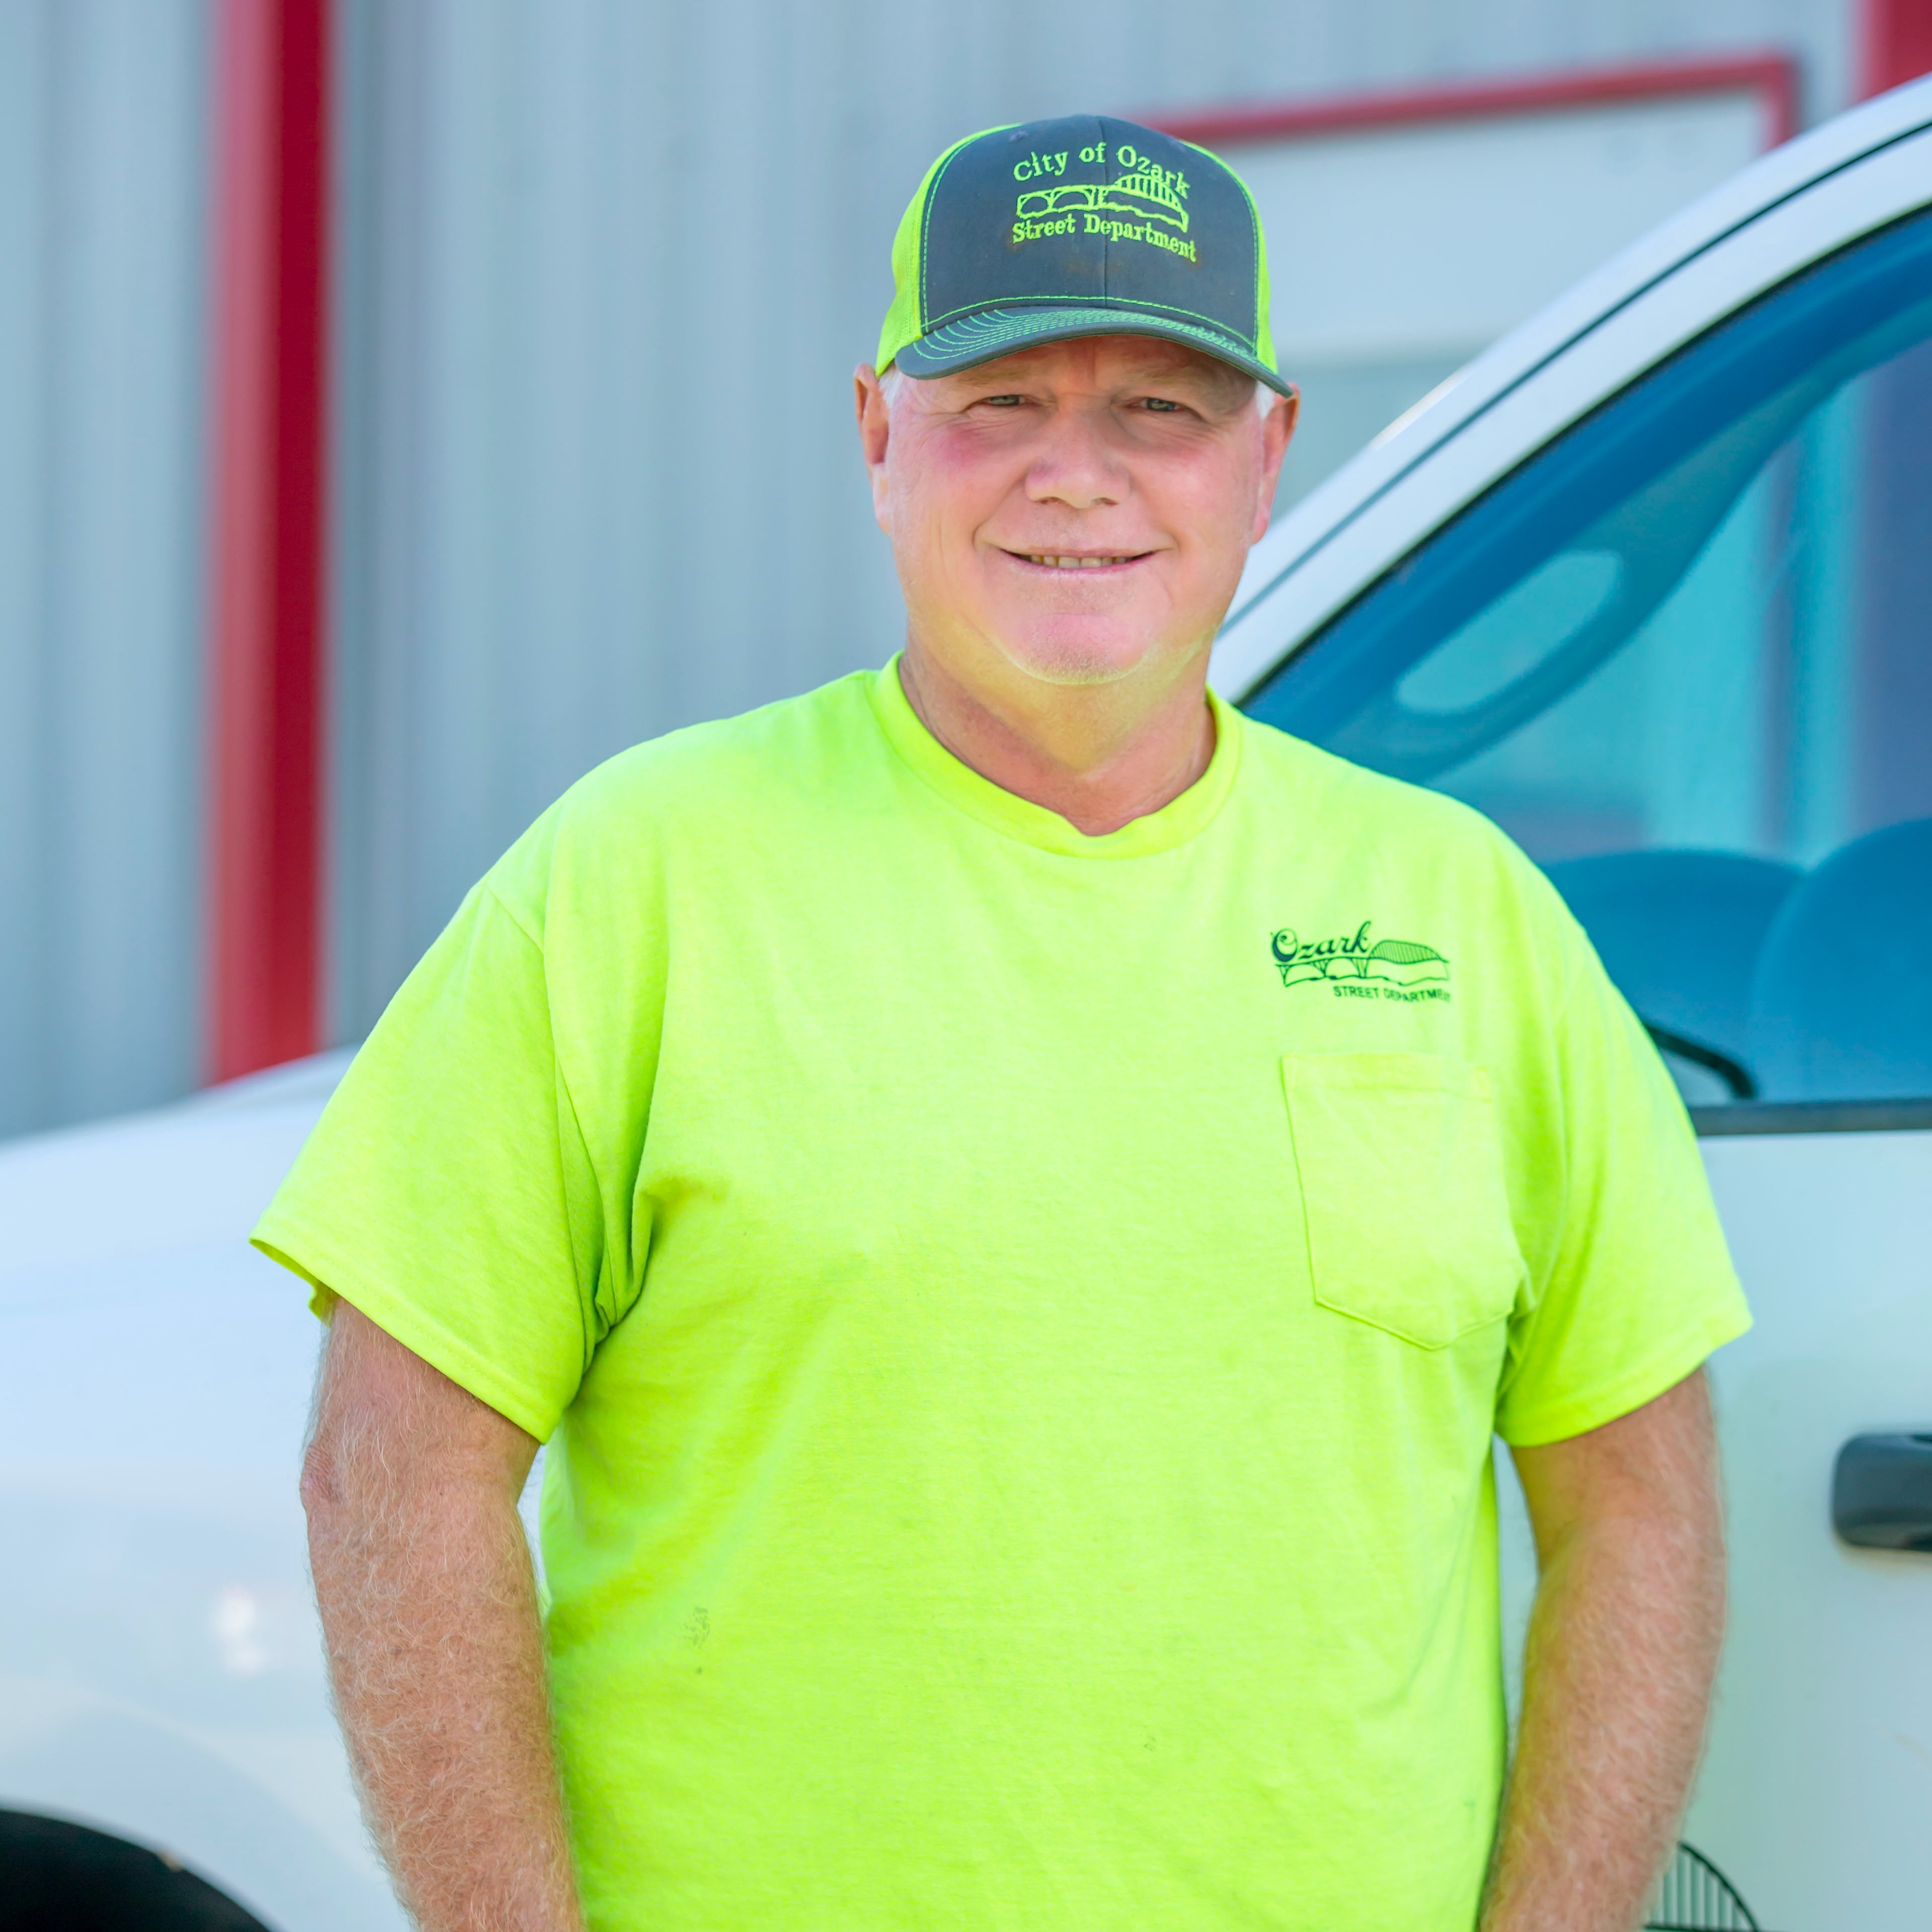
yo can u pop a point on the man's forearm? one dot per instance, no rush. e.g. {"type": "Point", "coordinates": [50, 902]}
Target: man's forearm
{"type": "Point", "coordinates": [429, 1611]}
{"type": "Point", "coordinates": [1623, 1646]}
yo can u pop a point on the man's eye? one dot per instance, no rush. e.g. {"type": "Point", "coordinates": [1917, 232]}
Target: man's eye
{"type": "Point", "coordinates": [1163, 404]}
{"type": "Point", "coordinates": [1003, 402]}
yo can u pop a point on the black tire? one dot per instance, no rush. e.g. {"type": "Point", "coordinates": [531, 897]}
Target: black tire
{"type": "Point", "coordinates": [55, 1876]}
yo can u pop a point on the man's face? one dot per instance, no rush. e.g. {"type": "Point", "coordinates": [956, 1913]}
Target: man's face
{"type": "Point", "coordinates": [1081, 510]}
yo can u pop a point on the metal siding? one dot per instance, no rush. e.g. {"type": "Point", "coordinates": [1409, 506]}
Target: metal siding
{"type": "Point", "coordinates": [101, 192]}
{"type": "Point", "coordinates": [609, 266]}
{"type": "Point", "coordinates": [605, 267]}
{"type": "Point", "coordinates": [22, 214]}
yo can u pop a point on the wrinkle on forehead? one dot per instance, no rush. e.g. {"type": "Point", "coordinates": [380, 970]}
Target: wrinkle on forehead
{"type": "Point", "coordinates": [1141, 358]}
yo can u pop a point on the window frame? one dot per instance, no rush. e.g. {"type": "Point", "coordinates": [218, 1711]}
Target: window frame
{"type": "Point", "coordinates": [1348, 536]}
{"type": "Point", "coordinates": [1332, 549]}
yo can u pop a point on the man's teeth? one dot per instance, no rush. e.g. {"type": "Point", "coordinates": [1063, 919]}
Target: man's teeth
{"type": "Point", "coordinates": [1075, 562]}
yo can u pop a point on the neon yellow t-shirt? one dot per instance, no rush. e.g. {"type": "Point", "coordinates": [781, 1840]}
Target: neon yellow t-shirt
{"type": "Point", "coordinates": [1019, 1319]}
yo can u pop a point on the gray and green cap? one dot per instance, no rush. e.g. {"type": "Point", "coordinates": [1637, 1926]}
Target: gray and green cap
{"type": "Point", "coordinates": [1080, 227]}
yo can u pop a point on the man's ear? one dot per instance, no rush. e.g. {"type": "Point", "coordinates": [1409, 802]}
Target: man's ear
{"type": "Point", "coordinates": [1277, 431]}
{"type": "Point", "coordinates": [875, 424]}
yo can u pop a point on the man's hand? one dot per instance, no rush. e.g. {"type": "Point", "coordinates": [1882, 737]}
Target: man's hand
{"type": "Point", "coordinates": [1622, 1648]}
{"type": "Point", "coordinates": [429, 1611]}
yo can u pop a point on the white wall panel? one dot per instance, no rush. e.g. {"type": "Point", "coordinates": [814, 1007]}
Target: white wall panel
{"type": "Point", "coordinates": [1409, 248]}
{"type": "Point", "coordinates": [102, 108]}
{"type": "Point", "coordinates": [1473, 225]}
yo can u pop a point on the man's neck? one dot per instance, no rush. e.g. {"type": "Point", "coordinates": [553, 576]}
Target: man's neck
{"type": "Point", "coordinates": [1090, 753]}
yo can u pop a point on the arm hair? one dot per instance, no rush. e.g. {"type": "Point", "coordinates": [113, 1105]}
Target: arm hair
{"type": "Point", "coordinates": [423, 1576]}
{"type": "Point", "coordinates": [1622, 1651]}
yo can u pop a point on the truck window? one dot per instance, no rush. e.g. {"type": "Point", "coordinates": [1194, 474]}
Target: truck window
{"type": "Point", "coordinates": [1683, 656]}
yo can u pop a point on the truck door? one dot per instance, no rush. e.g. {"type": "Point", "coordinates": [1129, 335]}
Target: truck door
{"type": "Point", "coordinates": [1683, 655]}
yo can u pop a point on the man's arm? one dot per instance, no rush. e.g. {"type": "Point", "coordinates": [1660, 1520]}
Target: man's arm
{"type": "Point", "coordinates": [1623, 1646]}
{"type": "Point", "coordinates": [429, 1613]}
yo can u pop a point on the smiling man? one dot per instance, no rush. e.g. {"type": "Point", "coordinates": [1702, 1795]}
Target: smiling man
{"type": "Point", "coordinates": [1018, 1201]}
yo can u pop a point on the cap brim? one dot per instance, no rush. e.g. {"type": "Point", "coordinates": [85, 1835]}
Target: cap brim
{"type": "Point", "coordinates": [989, 333]}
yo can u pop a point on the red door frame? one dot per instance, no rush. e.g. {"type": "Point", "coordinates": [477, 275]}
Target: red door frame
{"type": "Point", "coordinates": [1772, 76]}
{"type": "Point", "coordinates": [269, 398]}
{"type": "Point", "coordinates": [1894, 44]}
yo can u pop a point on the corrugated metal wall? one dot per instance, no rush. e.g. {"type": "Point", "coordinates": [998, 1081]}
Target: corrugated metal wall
{"type": "Point", "coordinates": [102, 172]}
{"type": "Point", "coordinates": [609, 269]}
{"type": "Point", "coordinates": [605, 267]}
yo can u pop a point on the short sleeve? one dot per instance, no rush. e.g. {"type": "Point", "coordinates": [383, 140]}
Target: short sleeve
{"type": "Point", "coordinates": [447, 1191]}
{"type": "Point", "coordinates": [1639, 1288]}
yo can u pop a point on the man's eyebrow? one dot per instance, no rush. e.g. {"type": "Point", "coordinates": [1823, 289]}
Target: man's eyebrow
{"type": "Point", "coordinates": [1199, 383]}
{"type": "Point", "coordinates": [989, 375]}
{"type": "Point", "coordinates": [1213, 386]}
{"type": "Point", "coordinates": [1187, 368]}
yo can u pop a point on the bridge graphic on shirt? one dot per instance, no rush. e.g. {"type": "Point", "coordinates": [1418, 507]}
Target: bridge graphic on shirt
{"type": "Point", "coordinates": [1356, 956]}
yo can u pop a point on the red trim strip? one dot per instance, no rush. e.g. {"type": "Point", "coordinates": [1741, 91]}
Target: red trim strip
{"type": "Point", "coordinates": [269, 399]}
{"type": "Point", "coordinates": [1894, 44]}
{"type": "Point", "coordinates": [1772, 76]}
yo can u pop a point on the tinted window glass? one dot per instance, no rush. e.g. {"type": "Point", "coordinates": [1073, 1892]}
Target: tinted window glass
{"type": "Point", "coordinates": [1685, 656]}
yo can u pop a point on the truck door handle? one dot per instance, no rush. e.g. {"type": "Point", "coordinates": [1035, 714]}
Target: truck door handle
{"type": "Point", "coordinates": [1881, 1492]}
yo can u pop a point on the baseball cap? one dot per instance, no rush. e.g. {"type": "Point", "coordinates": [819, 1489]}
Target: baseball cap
{"type": "Point", "coordinates": [1082, 225]}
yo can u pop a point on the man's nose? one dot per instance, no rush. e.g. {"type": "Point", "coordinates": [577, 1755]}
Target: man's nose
{"type": "Point", "coordinates": [1075, 464]}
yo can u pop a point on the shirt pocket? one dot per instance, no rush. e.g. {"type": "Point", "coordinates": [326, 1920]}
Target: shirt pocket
{"type": "Point", "coordinates": [1400, 1158]}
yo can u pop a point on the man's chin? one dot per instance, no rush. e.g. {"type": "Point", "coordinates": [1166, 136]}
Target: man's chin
{"type": "Point", "coordinates": [1081, 660]}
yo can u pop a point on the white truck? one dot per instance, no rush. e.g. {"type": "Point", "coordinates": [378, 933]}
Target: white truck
{"type": "Point", "coordinates": [1651, 583]}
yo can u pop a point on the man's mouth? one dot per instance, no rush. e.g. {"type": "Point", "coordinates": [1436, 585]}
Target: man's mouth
{"type": "Point", "coordinates": [1049, 559]}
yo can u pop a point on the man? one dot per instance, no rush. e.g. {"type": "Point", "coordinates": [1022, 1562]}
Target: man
{"type": "Point", "coordinates": [1019, 1345]}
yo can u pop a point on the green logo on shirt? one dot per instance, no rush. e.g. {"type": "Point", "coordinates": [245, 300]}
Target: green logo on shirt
{"type": "Point", "coordinates": [1359, 966]}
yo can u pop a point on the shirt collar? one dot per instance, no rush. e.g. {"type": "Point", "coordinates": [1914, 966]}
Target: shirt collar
{"type": "Point", "coordinates": [1176, 821]}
